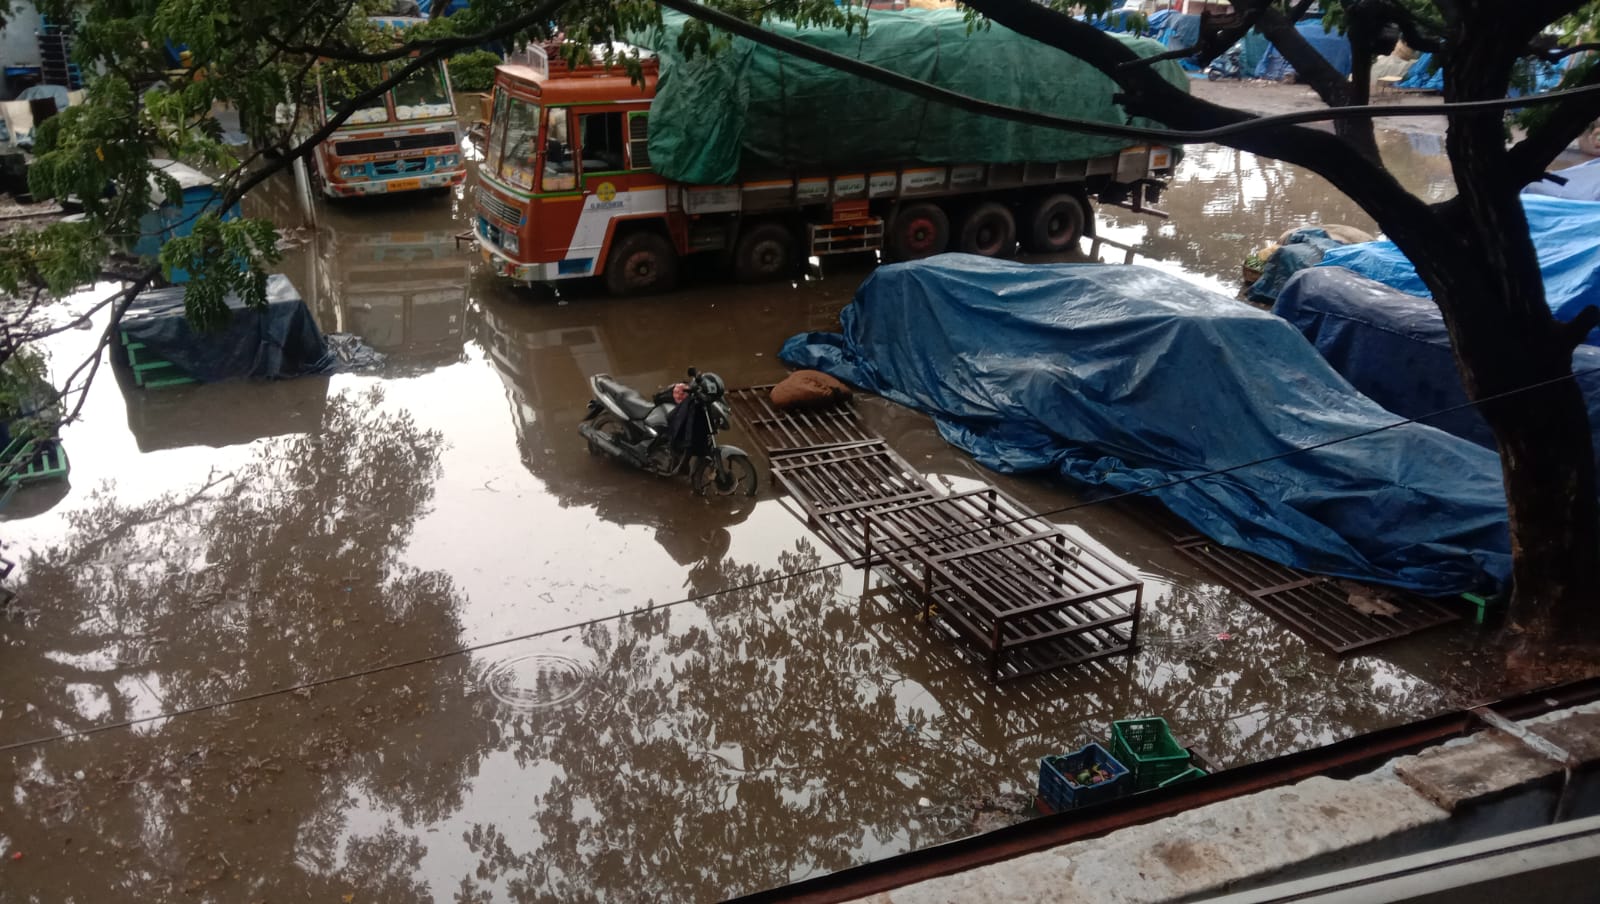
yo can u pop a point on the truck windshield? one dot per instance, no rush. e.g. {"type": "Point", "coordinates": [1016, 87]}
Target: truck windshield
{"type": "Point", "coordinates": [422, 94]}
{"type": "Point", "coordinates": [341, 83]}
{"type": "Point", "coordinates": [520, 158]}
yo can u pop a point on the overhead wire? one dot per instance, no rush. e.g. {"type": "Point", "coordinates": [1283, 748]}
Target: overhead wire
{"type": "Point", "coordinates": [761, 582]}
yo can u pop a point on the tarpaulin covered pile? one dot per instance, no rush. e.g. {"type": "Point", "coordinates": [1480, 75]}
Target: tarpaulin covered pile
{"type": "Point", "coordinates": [1126, 378]}
{"type": "Point", "coordinates": [1394, 348]}
{"type": "Point", "coordinates": [1582, 183]}
{"type": "Point", "coordinates": [1333, 46]}
{"type": "Point", "coordinates": [280, 340]}
{"type": "Point", "coordinates": [1564, 235]}
{"type": "Point", "coordinates": [750, 110]}
{"type": "Point", "coordinates": [1305, 248]}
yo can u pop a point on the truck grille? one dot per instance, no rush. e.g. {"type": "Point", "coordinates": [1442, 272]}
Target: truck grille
{"type": "Point", "coordinates": [500, 210]}
{"type": "Point", "coordinates": [394, 143]}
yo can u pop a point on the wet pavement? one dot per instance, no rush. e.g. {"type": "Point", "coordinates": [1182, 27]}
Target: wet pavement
{"type": "Point", "coordinates": [667, 699]}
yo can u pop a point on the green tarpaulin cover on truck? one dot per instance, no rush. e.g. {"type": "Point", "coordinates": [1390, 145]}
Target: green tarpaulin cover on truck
{"type": "Point", "coordinates": [750, 111]}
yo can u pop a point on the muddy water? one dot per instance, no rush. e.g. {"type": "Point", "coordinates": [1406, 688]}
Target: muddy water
{"type": "Point", "coordinates": [234, 541]}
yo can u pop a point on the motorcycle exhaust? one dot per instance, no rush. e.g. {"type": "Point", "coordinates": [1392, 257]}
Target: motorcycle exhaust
{"type": "Point", "coordinates": [604, 443]}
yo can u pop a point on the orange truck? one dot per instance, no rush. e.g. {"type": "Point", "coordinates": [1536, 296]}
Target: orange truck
{"type": "Point", "coordinates": [407, 140]}
{"type": "Point", "coordinates": [566, 190]}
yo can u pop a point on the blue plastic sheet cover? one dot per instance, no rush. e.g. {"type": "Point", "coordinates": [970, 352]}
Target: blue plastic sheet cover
{"type": "Point", "coordinates": [1583, 183]}
{"type": "Point", "coordinates": [1305, 248]}
{"type": "Point", "coordinates": [1423, 76]}
{"type": "Point", "coordinates": [1565, 235]}
{"type": "Point", "coordinates": [1334, 47]}
{"type": "Point", "coordinates": [282, 340]}
{"type": "Point", "coordinates": [1394, 348]}
{"type": "Point", "coordinates": [1126, 378]}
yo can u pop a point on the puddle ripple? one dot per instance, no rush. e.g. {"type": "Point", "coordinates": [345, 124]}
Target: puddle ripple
{"type": "Point", "coordinates": [537, 680]}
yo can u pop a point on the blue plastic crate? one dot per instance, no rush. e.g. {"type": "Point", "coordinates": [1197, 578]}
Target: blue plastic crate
{"type": "Point", "coordinates": [1058, 784]}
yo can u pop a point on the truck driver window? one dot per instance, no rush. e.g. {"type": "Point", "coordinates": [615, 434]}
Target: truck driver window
{"type": "Point", "coordinates": [602, 142]}
{"type": "Point", "coordinates": [559, 174]}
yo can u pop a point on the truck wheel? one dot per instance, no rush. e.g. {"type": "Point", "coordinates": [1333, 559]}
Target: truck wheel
{"type": "Point", "coordinates": [990, 230]}
{"type": "Point", "coordinates": [643, 263]}
{"type": "Point", "coordinates": [1057, 224]}
{"type": "Point", "coordinates": [765, 252]}
{"type": "Point", "coordinates": [918, 231]}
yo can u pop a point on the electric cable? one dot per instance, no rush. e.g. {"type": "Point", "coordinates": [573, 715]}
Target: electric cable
{"type": "Point", "coordinates": [756, 584]}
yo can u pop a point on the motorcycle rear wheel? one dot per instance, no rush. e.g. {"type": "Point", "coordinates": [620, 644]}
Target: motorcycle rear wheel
{"type": "Point", "coordinates": [735, 477]}
{"type": "Point", "coordinates": [614, 430]}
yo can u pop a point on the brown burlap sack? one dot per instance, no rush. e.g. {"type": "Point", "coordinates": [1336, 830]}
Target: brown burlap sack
{"type": "Point", "coordinates": [808, 389]}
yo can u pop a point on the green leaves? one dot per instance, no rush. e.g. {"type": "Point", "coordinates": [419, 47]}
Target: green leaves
{"type": "Point", "coordinates": [221, 258]}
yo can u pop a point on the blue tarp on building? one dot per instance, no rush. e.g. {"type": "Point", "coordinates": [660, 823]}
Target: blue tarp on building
{"type": "Point", "coordinates": [1564, 234]}
{"type": "Point", "coordinates": [1126, 378]}
{"type": "Point", "coordinates": [1394, 348]}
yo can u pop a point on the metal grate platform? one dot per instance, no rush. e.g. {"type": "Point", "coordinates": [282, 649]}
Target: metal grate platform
{"type": "Point", "coordinates": [1316, 608]}
{"type": "Point", "coordinates": [779, 430]}
{"type": "Point", "coordinates": [1007, 580]}
{"type": "Point", "coordinates": [837, 486]}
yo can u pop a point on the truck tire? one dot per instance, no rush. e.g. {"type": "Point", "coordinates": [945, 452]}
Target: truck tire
{"type": "Point", "coordinates": [642, 263]}
{"type": "Point", "coordinates": [988, 229]}
{"type": "Point", "coordinates": [918, 231]}
{"type": "Point", "coordinates": [1057, 224]}
{"type": "Point", "coordinates": [765, 252]}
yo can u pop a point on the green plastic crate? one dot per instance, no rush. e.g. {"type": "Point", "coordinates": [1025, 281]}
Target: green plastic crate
{"type": "Point", "coordinates": [1148, 749]}
{"type": "Point", "coordinates": [1187, 775]}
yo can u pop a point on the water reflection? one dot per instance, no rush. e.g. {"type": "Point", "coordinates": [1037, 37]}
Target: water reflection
{"type": "Point", "coordinates": [683, 753]}
{"type": "Point", "coordinates": [1226, 203]}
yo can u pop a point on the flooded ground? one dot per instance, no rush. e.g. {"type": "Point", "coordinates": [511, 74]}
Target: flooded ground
{"type": "Point", "coordinates": [476, 664]}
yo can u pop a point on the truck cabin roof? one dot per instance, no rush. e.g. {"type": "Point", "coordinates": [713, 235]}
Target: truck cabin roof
{"type": "Point", "coordinates": [587, 83]}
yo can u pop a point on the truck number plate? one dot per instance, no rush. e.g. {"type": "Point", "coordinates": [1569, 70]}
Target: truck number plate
{"type": "Point", "coordinates": [404, 184]}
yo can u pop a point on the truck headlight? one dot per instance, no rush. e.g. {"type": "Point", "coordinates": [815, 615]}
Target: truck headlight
{"type": "Point", "coordinates": [449, 160]}
{"type": "Point", "coordinates": [508, 241]}
{"type": "Point", "coordinates": [349, 172]}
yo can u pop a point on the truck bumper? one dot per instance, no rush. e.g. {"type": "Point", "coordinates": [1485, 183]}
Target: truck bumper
{"type": "Point", "coordinates": [445, 179]}
{"type": "Point", "coordinates": [503, 265]}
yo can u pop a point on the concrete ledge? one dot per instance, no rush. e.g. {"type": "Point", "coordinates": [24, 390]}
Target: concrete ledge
{"type": "Point", "coordinates": [1208, 849]}
{"type": "Point", "coordinates": [1470, 788]}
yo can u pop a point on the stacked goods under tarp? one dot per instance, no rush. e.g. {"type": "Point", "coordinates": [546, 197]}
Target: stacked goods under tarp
{"type": "Point", "coordinates": [1131, 380]}
{"type": "Point", "coordinates": [751, 111]}
{"type": "Point", "coordinates": [278, 341]}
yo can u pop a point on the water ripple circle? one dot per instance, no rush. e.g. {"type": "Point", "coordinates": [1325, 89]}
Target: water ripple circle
{"type": "Point", "coordinates": [537, 680]}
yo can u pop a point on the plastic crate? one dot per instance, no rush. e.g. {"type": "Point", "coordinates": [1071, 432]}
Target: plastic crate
{"type": "Point", "coordinates": [1187, 775]}
{"type": "Point", "coordinates": [1149, 750]}
{"type": "Point", "coordinates": [1059, 788]}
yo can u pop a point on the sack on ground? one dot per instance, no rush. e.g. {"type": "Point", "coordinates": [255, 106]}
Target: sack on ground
{"type": "Point", "coordinates": [809, 389]}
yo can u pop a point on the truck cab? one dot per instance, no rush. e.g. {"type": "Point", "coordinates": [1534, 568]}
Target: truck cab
{"type": "Point", "coordinates": [565, 163]}
{"type": "Point", "coordinates": [406, 140]}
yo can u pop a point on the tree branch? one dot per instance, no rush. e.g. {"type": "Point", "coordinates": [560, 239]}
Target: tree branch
{"type": "Point", "coordinates": [538, 15]}
{"type": "Point", "coordinates": [1529, 158]}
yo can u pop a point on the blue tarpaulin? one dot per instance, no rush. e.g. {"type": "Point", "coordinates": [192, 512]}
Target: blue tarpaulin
{"type": "Point", "coordinates": [1334, 47]}
{"type": "Point", "coordinates": [1422, 76]}
{"type": "Point", "coordinates": [1126, 378]}
{"type": "Point", "coordinates": [1583, 183]}
{"type": "Point", "coordinates": [1305, 248]}
{"type": "Point", "coordinates": [1394, 348]}
{"type": "Point", "coordinates": [1564, 234]}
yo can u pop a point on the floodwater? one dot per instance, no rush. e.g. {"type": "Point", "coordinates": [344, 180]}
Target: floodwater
{"type": "Point", "coordinates": [662, 699]}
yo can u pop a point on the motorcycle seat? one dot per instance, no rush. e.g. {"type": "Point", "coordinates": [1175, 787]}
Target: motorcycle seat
{"type": "Point", "coordinates": [636, 405]}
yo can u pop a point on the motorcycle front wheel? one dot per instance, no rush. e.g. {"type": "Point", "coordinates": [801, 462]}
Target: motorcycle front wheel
{"type": "Point", "coordinates": [731, 476]}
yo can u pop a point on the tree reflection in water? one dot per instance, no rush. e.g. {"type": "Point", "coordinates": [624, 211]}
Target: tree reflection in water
{"type": "Point", "coordinates": [280, 572]}
{"type": "Point", "coordinates": [792, 730]}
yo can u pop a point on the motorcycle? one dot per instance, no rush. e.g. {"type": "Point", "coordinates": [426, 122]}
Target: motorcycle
{"type": "Point", "coordinates": [669, 438]}
{"type": "Point", "coordinates": [1228, 64]}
